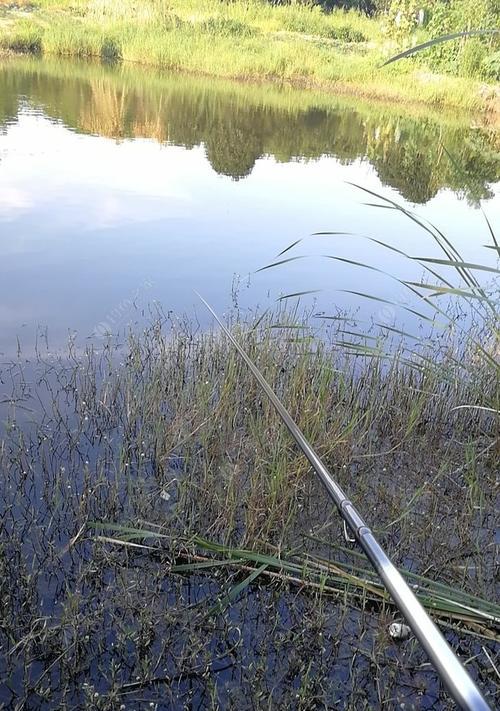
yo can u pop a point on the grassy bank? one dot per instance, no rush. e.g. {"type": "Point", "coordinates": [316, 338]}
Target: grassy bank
{"type": "Point", "coordinates": [162, 541]}
{"type": "Point", "coordinates": [339, 52]}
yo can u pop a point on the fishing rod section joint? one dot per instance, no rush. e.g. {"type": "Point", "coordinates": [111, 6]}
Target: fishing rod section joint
{"type": "Point", "coordinates": [354, 521]}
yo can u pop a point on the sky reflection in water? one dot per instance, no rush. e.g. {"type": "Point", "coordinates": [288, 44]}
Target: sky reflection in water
{"type": "Point", "coordinates": [93, 229]}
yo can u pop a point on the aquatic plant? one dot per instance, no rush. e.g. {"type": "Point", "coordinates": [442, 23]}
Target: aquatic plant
{"type": "Point", "coordinates": [148, 488]}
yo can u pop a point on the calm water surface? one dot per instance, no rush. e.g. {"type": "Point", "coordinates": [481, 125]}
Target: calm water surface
{"type": "Point", "coordinates": [120, 187]}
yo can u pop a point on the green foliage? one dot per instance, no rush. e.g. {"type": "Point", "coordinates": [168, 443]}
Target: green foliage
{"type": "Point", "coordinates": [401, 19]}
{"type": "Point", "coordinates": [491, 66]}
{"type": "Point", "coordinates": [467, 56]}
{"type": "Point", "coordinates": [472, 57]}
{"type": "Point", "coordinates": [226, 27]}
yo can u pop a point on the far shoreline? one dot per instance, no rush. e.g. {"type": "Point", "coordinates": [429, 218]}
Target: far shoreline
{"type": "Point", "coordinates": [234, 46]}
{"type": "Point", "coordinates": [486, 117]}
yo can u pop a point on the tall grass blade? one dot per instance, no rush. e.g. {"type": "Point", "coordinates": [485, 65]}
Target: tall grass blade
{"type": "Point", "coordinates": [290, 246]}
{"type": "Point", "coordinates": [298, 294]}
{"type": "Point", "coordinates": [438, 236]}
{"type": "Point", "coordinates": [372, 297]}
{"type": "Point", "coordinates": [475, 407]}
{"type": "Point", "coordinates": [490, 228]}
{"type": "Point", "coordinates": [442, 290]}
{"type": "Point", "coordinates": [438, 40]}
{"type": "Point", "coordinates": [457, 264]}
{"type": "Point", "coordinates": [234, 593]}
{"type": "Point", "coordinates": [282, 261]}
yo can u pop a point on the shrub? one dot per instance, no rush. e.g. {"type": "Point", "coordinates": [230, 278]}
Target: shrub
{"type": "Point", "coordinates": [464, 56]}
{"type": "Point", "coordinates": [491, 66]}
{"type": "Point", "coordinates": [110, 50]}
{"type": "Point", "coordinates": [402, 18]}
{"type": "Point", "coordinates": [471, 58]}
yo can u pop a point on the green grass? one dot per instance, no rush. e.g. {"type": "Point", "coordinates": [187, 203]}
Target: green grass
{"type": "Point", "coordinates": [152, 500]}
{"type": "Point", "coordinates": [339, 51]}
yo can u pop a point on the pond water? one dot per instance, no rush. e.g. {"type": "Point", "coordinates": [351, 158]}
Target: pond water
{"type": "Point", "coordinates": [122, 191]}
{"type": "Point", "coordinates": [121, 187]}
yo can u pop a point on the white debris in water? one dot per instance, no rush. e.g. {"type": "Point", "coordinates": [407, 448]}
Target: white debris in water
{"type": "Point", "coordinates": [399, 631]}
{"type": "Point", "coordinates": [164, 495]}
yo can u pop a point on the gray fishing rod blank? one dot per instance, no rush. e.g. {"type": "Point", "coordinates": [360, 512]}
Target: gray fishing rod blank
{"type": "Point", "coordinates": [453, 675]}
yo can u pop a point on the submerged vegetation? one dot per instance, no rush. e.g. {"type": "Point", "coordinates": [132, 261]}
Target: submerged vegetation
{"type": "Point", "coordinates": [254, 39]}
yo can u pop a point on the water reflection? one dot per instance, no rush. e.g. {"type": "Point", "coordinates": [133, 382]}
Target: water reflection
{"type": "Point", "coordinates": [120, 187]}
{"type": "Point", "coordinates": [238, 124]}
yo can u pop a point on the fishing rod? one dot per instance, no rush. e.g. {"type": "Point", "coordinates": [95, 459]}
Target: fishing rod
{"type": "Point", "coordinates": [453, 675]}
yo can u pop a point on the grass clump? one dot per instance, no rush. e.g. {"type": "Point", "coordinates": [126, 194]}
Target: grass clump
{"type": "Point", "coordinates": [225, 27]}
{"type": "Point", "coordinates": [67, 39]}
{"type": "Point", "coordinates": [316, 23]}
{"type": "Point", "coordinates": [24, 39]}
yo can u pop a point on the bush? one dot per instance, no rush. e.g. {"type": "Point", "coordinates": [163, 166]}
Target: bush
{"type": "Point", "coordinates": [491, 66]}
{"type": "Point", "coordinates": [402, 19]}
{"type": "Point", "coordinates": [110, 50]}
{"type": "Point", "coordinates": [472, 57]}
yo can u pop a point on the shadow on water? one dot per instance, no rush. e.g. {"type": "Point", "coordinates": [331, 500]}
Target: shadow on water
{"type": "Point", "coordinates": [239, 123]}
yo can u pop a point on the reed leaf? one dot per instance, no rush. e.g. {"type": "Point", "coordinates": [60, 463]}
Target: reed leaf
{"type": "Point", "coordinates": [438, 40]}
{"type": "Point", "coordinates": [458, 264]}
{"type": "Point", "coordinates": [298, 294]}
{"type": "Point", "coordinates": [391, 303]}
{"type": "Point", "coordinates": [235, 592]}
{"type": "Point", "coordinates": [281, 261]}
{"type": "Point", "coordinates": [290, 246]}
{"type": "Point", "coordinates": [337, 576]}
